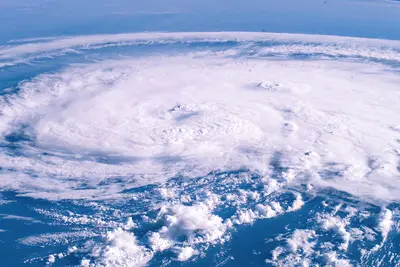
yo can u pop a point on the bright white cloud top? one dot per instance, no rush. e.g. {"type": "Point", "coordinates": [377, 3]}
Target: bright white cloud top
{"type": "Point", "coordinates": [304, 114]}
{"type": "Point", "coordinates": [158, 116]}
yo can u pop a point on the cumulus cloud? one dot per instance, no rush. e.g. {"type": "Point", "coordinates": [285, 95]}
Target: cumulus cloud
{"type": "Point", "coordinates": [120, 249]}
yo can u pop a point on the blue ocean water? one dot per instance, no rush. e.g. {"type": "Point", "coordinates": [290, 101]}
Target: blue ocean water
{"type": "Point", "coordinates": [37, 230]}
{"type": "Point", "coordinates": [250, 245]}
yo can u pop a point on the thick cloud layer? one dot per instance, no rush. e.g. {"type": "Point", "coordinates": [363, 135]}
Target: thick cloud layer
{"type": "Point", "coordinates": [220, 129]}
{"type": "Point", "coordinates": [145, 120]}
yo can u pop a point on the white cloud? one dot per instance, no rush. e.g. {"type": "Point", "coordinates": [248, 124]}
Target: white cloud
{"type": "Point", "coordinates": [120, 248]}
{"type": "Point", "coordinates": [143, 120]}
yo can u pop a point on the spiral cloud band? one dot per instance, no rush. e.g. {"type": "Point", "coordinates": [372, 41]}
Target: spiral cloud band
{"type": "Point", "coordinates": [264, 121]}
{"type": "Point", "coordinates": [154, 117]}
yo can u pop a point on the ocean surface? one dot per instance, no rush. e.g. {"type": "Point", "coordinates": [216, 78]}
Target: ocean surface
{"type": "Point", "coordinates": [199, 133]}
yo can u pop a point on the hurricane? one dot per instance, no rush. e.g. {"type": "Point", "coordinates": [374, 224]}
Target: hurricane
{"type": "Point", "coordinates": [200, 148]}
